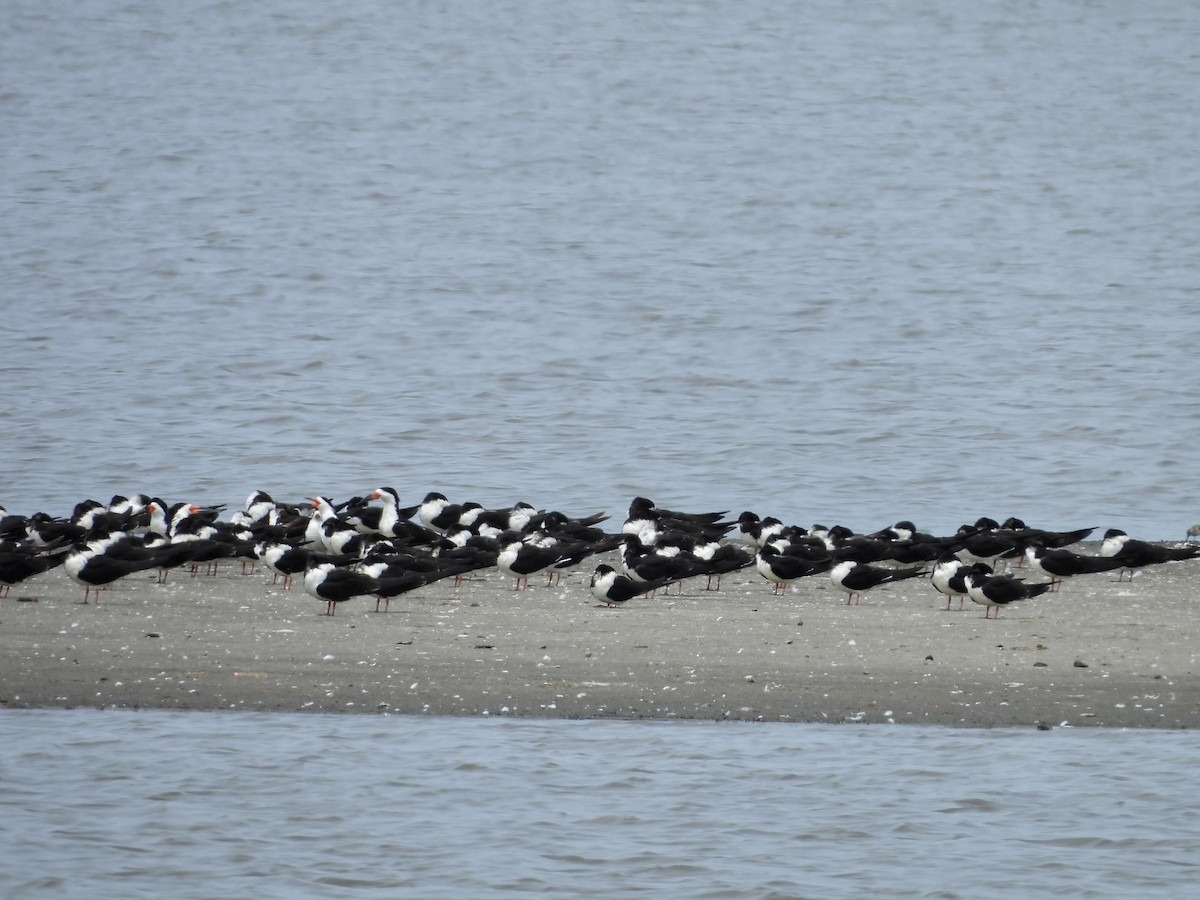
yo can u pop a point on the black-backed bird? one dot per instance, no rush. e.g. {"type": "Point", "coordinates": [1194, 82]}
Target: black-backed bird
{"type": "Point", "coordinates": [1135, 554]}
{"type": "Point", "coordinates": [333, 585]}
{"type": "Point", "coordinates": [97, 565]}
{"type": "Point", "coordinates": [521, 559]}
{"type": "Point", "coordinates": [1059, 563]}
{"type": "Point", "coordinates": [612, 588]}
{"type": "Point", "coordinates": [24, 561]}
{"type": "Point", "coordinates": [994, 591]}
{"type": "Point", "coordinates": [948, 577]}
{"type": "Point", "coordinates": [855, 577]}
{"type": "Point", "coordinates": [781, 569]}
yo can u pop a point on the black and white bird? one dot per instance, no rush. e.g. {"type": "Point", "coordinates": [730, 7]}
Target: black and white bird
{"type": "Point", "coordinates": [948, 578]}
{"type": "Point", "coordinates": [714, 559]}
{"type": "Point", "coordinates": [1059, 564]}
{"type": "Point", "coordinates": [388, 519]}
{"type": "Point", "coordinates": [327, 582]}
{"type": "Point", "coordinates": [665, 563]}
{"type": "Point", "coordinates": [289, 560]}
{"type": "Point", "coordinates": [393, 583]}
{"type": "Point", "coordinates": [756, 531]}
{"type": "Point", "coordinates": [99, 564]}
{"type": "Point", "coordinates": [612, 588]}
{"type": "Point", "coordinates": [781, 569]}
{"type": "Point", "coordinates": [521, 559]}
{"type": "Point", "coordinates": [994, 591]}
{"type": "Point", "coordinates": [854, 577]}
{"type": "Point", "coordinates": [1135, 554]}
{"type": "Point", "coordinates": [21, 561]}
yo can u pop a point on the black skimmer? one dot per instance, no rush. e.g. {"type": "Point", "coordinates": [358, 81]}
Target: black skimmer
{"type": "Point", "coordinates": [522, 559]}
{"type": "Point", "coordinates": [758, 532]}
{"type": "Point", "coordinates": [1059, 563]}
{"type": "Point", "coordinates": [640, 506]}
{"type": "Point", "coordinates": [667, 564]}
{"type": "Point", "coordinates": [48, 531]}
{"type": "Point", "coordinates": [437, 512]}
{"type": "Point", "coordinates": [394, 583]}
{"type": "Point", "coordinates": [559, 525]}
{"type": "Point", "coordinates": [1135, 554]}
{"type": "Point", "coordinates": [134, 507]}
{"type": "Point", "coordinates": [22, 561]}
{"type": "Point", "coordinates": [855, 577]}
{"type": "Point", "coordinates": [781, 568]}
{"type": "Point", "coordinates": [858, 548]}
{"type": "Point", "coordinates": [164, 518]}
{"type": "Point", "coordinates": [989, 547]}
{"type": "Point", "coordinates": [327, 582]}
{"type": "Point", "coordinates": [389, 519]}
{"type": "Point", "coordinates": [96, 518]}
{"type": "Point", "coordinates": [333, 533]}
{"type": "Point", "coordinates": [715, 559]}
{"type": "Point", "coordinates": [949, 578]}
{"type": "Point", "coordinates": [993, 591]}
{"type": "Point", "coordinates": [904, 530]}
{"type": "Point", "coordinates": [1049, 539]}
{"type": "Point", "coordinates": [648, 521]}
{"type": "Point", "coordinates": [612, 588]}
{"type": "Point", "coordinates": [98, 565]}
{"type": "Point", "coordinates": [258, 508]}
{"type": "Point", "coordinates": [289, 560]}
{"type": "Point", "coordinates": [13, 527]}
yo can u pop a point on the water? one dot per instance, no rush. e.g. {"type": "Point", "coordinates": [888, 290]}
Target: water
{"type": "Point", "coordinates": [217, 805]}
{"type": "Point", "coordinates": [831, 262]}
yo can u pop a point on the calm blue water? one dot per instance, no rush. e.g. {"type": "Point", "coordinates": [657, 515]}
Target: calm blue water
{"type": "Point", "coordinates": [139, 804]}
{"type": "Point", "coordinates": [828, 262]}
{"type": "Point", "coordinates": [831, 262]}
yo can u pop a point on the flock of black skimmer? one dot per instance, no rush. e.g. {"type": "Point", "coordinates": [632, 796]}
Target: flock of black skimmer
{"type": "Point", "coordinates": [371, 546]}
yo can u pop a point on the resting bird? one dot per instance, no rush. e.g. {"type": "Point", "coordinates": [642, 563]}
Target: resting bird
{"type": "Point", "coordinates": [854, 577]}
{"type": "Point", "coordinates": [612, 588]}
{"type": "Point", "coordinates": [1137, 554]}
{"type": "Point", "coordinates": [781, 569]}
{"type": "Point", "coordinates": [1058, 564]}
{"type": "Point", "coordinates": [949, 578]}
{"type": "Point", "coordinates": [333, 585]}
{"type": "Point", "coordinates": [994, 591]}
{"type": "Point", "coordinates": [23, 562]}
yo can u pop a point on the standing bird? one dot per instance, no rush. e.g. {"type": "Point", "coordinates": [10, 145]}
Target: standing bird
{"type": "Point", "coordinates": [781, 569]}
{"type": "Point", "coordinates": [855, 577]}
{"type": "Point", "coordinates": [390, 519]}
{"type": "Point", "coordinates": [99, 564]}
{"type": "Point", "coordinates": [333, 585]}
{"type": "Point", "coordinates": [1058, 564]}
{"type": "Point", "coordinates": [994, 591]}
{"type": "Point", "coordinates": [612, 588]}
{"type": "Point", "coordinates": [521, 559]}
{"type": "Point", "coordinates": [715, 559]}
{"type": "Point", "coordinates": [23, 561]}
{"type": "Point", "coordinates": [949, 578]}
{"type": "Point", "coordinates": [287, 560]}
{"type": "Point", "coordinates": [1135, 554]}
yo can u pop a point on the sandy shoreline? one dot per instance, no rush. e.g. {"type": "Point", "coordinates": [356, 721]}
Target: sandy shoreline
{"type": "Point", "coordinates": [1100, 653]}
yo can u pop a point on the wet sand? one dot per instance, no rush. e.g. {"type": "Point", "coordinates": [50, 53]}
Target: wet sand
{"type": "Point", "coordinates": [1099, 653]}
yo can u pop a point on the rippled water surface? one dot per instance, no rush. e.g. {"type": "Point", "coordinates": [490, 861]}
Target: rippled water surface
{"type": "Point", "coordinates": [825, 261]}
{"type": "Point", "coordinates": [831, 262]}
{"type": "Point", "coordinates": [121, 804]}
